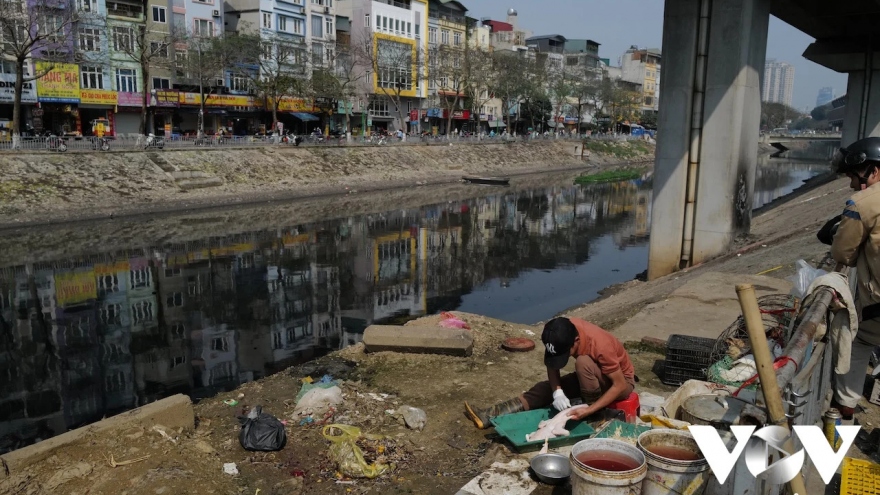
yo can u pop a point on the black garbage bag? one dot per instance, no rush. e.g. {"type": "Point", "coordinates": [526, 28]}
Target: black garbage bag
{"type": "Point", "coordinates": [261, 431]}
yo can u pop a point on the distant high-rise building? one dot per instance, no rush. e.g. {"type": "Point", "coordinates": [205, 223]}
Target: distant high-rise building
{"type": "Point", "coordinates": [778, 82]}
{"type": "Point", "coordinates": [825, 96]}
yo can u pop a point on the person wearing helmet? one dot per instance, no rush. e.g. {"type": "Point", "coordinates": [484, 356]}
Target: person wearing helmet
{"type": "Point", "coordinates": [856, 242]}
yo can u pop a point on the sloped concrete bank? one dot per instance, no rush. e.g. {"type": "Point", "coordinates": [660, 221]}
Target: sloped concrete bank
{"type": "Point", "coordinates": [42, 187]}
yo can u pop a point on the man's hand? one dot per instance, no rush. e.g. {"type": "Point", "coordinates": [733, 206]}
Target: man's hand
{"type": "Point", "coordinates": [560, 401]}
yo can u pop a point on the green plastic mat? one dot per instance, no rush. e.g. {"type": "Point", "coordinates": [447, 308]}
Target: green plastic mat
{"type": "Point", "coordinates": [516, 426]}
{"type": "Point", "coordinates": [619, 430]}
{"type": "Point", "coordinates": [713, 374]}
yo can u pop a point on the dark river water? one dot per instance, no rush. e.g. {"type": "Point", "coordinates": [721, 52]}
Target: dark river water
{"type": "Point", "coordinates": [80, 340]}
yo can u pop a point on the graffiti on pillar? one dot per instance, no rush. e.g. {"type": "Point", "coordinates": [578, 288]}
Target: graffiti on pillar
{"type": "Point", "coordinates": [742, 205]}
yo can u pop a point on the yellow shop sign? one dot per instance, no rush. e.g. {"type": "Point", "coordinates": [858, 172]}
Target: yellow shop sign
{"type": "Point", "coordinates": [97, 97]}
{"type": "Point", "coordinates": [289, 104]}
{"type": "Point", "coordinates": [60, 84]}
{"type": "Point", "coordinates": [214, 100]}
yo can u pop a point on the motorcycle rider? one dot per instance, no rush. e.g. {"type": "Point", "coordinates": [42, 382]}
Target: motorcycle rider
{"type": "Point", "coordinates": [856, 242]}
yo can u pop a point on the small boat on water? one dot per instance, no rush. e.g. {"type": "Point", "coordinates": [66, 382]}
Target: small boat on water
{"type": "Point", "coordinates": [491, 181]}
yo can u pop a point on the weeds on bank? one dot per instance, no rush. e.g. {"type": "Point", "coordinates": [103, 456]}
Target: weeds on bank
{"type": "Point", "coordinates": [619, 149]}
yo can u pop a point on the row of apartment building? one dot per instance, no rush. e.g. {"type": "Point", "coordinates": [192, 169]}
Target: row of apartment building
{"type": "Point", "coordinates": [101, 83]}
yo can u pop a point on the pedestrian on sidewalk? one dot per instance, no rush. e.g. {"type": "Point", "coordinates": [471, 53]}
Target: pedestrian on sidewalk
{"type": "Point", "coordinates": [603, 373]}
{"type": "Point", "coordinates": [857, 243]}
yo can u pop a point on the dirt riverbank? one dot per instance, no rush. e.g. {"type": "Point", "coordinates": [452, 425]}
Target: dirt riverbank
{"type": "Point", "coordinates": [42, 187]}
{"type": "Point", "coordinates": [449, 451]}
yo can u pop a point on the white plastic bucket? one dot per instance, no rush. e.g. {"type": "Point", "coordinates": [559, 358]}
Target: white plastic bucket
{"type": "Point", "coordinates": [586, 480]}
{"type": "Point", "coordinates": [673, 476]}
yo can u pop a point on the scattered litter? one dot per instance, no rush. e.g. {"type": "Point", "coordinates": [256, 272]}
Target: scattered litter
{"type": "Point", "coordinates": [344, 482]}
{"type": "Point", "coordinates": [350, 458]}
{"type": "Point", "coordinates": [230, 468]}
{"type": "Point", "coordinates": [529, 333]}
{"type": "Point", "coordinates": [230, 402]}
{"type": "Point", "coordinates": [114, 463]}
{"type": "Point", "coordinates": [306, 421]}
{"type": "Point", "coordinates": [261, 431]}
{"type": "Point", "coordinates": [803, 278]}
{"type": "Point", "coordinates": [160, 430]}
{"type": "Point", "coordinates": [449, 320]}
{"type": "Point", "coordinates": [413, 417]}
{"type": "Point", "coordinates": [325, 379]}
{"type": "Point", "coordinates": [511, 478]}
{"type": "Point", "coordinates": [240, 396]}
{"type": "Point", "coordinates": [318, 400]}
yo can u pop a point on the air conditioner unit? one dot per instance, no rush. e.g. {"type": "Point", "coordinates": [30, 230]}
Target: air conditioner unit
{"type": "Point", "coordinates": [220, 83]}
{"type": "Point", "coordinates": [216, 13]}
{"type": "Point", "coordinates": [326, 10]}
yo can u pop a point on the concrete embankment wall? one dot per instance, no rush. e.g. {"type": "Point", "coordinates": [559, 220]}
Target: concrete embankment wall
{"type": "Point", "coordinates": [63, 182]}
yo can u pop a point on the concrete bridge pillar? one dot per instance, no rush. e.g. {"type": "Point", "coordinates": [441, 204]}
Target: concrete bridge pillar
{"type": "Point", "coordinates": [862, 117]}
{"type": "Point", "coordinates": [710, 114]}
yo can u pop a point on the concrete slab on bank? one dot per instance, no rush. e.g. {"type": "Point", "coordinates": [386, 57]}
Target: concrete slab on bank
{"type": "Point", "coordinates": [703, 307]}
{"type": "Point", "coordinates": [419, 339]}
{"type": "Point", "coordinates": [170, 413]}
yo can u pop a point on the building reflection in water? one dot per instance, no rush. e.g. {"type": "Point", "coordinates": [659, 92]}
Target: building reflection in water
{"type": "Point", "coordinates": [88, 337]}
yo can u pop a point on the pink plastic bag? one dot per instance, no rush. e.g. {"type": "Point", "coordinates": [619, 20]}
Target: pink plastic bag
{"type": "Point", "coordinates": [449, 320]}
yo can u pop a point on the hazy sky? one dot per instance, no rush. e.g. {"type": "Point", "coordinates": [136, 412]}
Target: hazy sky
{"type": "Point", "coordinates": [617, 24]}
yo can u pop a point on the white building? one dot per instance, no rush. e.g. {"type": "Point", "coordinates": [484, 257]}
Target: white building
{"type": "Point", "coordinates": [778, 82]}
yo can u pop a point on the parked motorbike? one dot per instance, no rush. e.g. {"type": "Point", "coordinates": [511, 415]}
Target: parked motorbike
{"type": "Point", "coordinates": [154, 141]}
{"type": "Point", "coordinates": [101, 143]}
{"type": "Point", "coordinates": [56, 143]}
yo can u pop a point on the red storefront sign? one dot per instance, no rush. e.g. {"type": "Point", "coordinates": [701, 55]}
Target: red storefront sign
{"type": "Point", "coordinates": [461, 115]}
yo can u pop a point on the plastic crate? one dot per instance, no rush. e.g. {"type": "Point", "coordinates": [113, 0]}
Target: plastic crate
{"type": "Point", "coordinates": [859, 477]}
{"type": "Point", "coordinates": [690, 353]}
{"type": "Point", "coordinates": [516, 426]}
{"type": "Point", "coordinates": [677, 376]}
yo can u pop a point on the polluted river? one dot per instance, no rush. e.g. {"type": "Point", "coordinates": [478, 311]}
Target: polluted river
{"type": "Point", "coordinates": [101, 325]}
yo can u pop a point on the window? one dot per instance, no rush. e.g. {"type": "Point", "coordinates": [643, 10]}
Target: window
{"type": "Point", "coordinates": [456, 39]}
{"type": "Point", "coordinates": [180, 63]}
{"type": "Point", "coordinates": [89, 40]}
{"type": "Point", "coordinates": [282, 23]}
{"type": "Point", "coordinates": [317, 26]}
{"type": "Point", "coordinates": [380, 109]}
{"type": "Point", "coordinates": [649, 101]}
{"type": "Point", "coordinates": [444, 37]}
{"type": "Point", "coordinates": [122, 39]}
{"type": "Point", "coordinates": [318, 53]}
{"type": "Point", "coordinates": [87, 5]}
{"type": "Point", "coordinates": [162, 83]}
{"type": "Point", "coordinates": [366, 20]}
{"type": "Point", "coordinates": [159, 14]}
{"type": "Point", "coordinates": [203, 27]}
{"type": "Point", "coordinates": [328, 26]}
{"type": "Point", "coordinates": [126, 80]}
{"type": "Point", "coordinates": [409, 29]}
{"type": "Point", "coordinates": [92, 77]}
{"type": "Point", "coordinates": [432, 35]}
{"type": "Point", "coordinates": [267, 20]}
{"type": "Point", "coordinates": [417, 30]}
{"type": "Point", "coordinates": [159, 49]}
{"type": "Point", "coordinates": [239, 82]}
{"type": "Point", "coordinates": [266, 51]}
{"type": "Point", "coordinates": [298, 26]}
{"type": "Point", "coordinates": [174, 300]}
{"type": "Point", "coordinates": [220, 344]}
{"type": "Point", "coordinates": [456, 62]}
{"type": "Point", "coordinates": [397, 26]}
{"type": "Point", "coordinates": [384, 24]}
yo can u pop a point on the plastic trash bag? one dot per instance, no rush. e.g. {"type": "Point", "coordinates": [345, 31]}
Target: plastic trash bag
{"type": "Point", "coordinates": [803, 278]}
{"type": "Point", "coordinates": [348, 456]}
{"type": "Point", "coordinates": [261, 431]}
{"type": "Point", "coordinates": [318, 401]}
{"type": "Point", "coordinates": [449, 320]}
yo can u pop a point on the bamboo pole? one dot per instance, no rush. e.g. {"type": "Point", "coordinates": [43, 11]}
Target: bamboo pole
{"type": "Point", "coordinates": [764, 362]}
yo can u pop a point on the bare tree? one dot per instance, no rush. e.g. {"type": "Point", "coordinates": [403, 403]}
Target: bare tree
{"type": "Point", "coordinates": [448, 69]}
{"type": "Point", "coordinates": [481, 78]}
{"type": "Point", "coordinates": [37, 29]}
{"type": "Point", "coordinates": [392, 64]}
{"type": "Point", "coordinates": [339, 79]}
{"type": "Point", "coordinates": [151, 50]}
{"type": "Point", "coordinates": [511, 81]}
{"type": "Point", "coordinates": [200, 65]}
{"type": "Point", "coordinates": [275, 66]}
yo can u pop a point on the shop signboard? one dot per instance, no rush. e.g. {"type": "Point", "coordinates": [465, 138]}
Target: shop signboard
{"type": "Point", "coordinates": [288, 104]}
{"type": "Point", "coordinates": [215, 100]}
{"type": "Point", "coordinates": [344, 107]}
{"type": "Point", "coordinates": [130, 99]}
{"type": "Point", "coordinates": [435, 112]}
{"type": "Point", "coordinates": [165, 98]}
{"type": "Point", "coordinates": [7, 90]}
{"type": "Point", "coordinates": [59, 84]}
{"type": "Point", "coordinates": [97, 97]}
{"type": "Point", "coordinates": [461, 114]}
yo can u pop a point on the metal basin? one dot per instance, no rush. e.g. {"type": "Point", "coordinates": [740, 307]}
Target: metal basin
{"type": "Point", "coordinates": [553, 469]}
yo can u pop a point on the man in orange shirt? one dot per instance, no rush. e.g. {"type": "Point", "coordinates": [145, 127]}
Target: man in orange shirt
{"type": "Point", "coordinates": [603, 373]}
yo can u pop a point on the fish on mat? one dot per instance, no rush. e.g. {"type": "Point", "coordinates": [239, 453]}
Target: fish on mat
{"type": "Point", "coordinates": [555, 426]}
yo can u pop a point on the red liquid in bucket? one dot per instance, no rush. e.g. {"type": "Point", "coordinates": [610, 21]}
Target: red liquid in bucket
{"type": "Point", "coordinates": [674, 453]}
{"type": "Point", "coordinates": [607, 460]}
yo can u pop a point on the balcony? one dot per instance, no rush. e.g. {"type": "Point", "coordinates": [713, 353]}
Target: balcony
{"type": "Point", "coordinates": [393, 3]}
{"type": "Point", "coordinates": [127, 10]}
